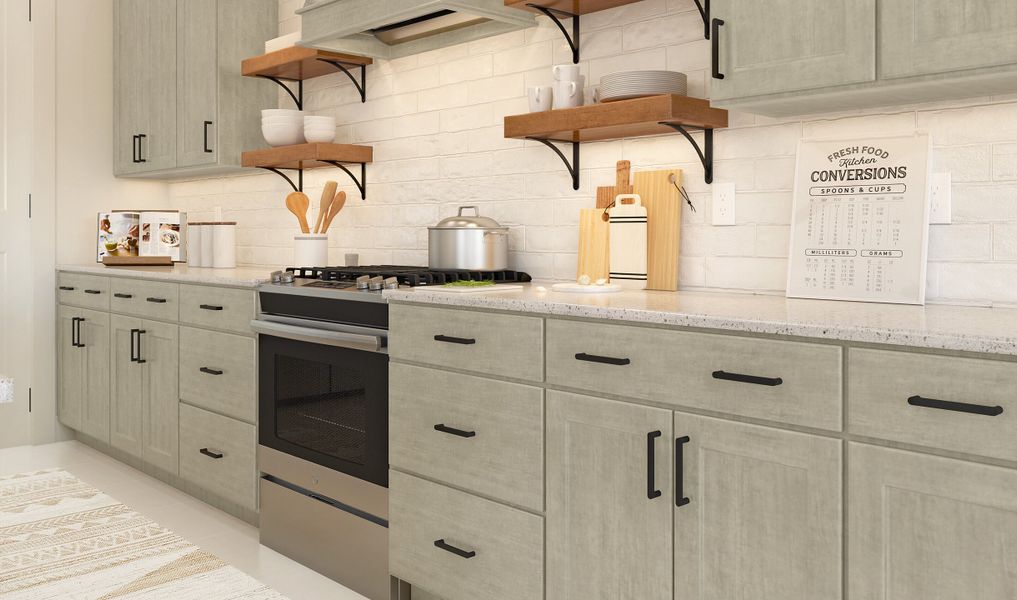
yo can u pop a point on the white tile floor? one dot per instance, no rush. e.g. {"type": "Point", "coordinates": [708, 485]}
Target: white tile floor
{"type": "Point", "coordinates": [231, 539]}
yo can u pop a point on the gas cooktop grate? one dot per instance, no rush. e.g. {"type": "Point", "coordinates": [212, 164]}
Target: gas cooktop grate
{"type": "Point", "coordinates": [411, 276]}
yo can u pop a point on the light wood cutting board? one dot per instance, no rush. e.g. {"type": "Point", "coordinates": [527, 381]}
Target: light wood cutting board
{"type": "Point", "coordinates": [664, 219]}
{"type": "Point", "coordinates": [594, 244]}
{"type": "Point", "coordinates": [622, 174]}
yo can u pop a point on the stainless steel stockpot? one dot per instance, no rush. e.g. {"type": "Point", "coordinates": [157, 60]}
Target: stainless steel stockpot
{"type": "Point", "coordinates": [472, 243]}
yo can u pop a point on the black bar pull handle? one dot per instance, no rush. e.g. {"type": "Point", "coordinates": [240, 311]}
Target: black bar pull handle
{"type": "Point", "coordinates": [211, 454]}
{"type": "Point", "coordinates": [457, 551]}
{"type": "Point", "coordinates": [141, 136]}
{"type": "Point", "coordinates": [134, 148]}
{"type": "Point", "coordinates": [76, 332]}
{"type": "Point", "coordinates": [124, 296]}
{"type": "Point", "coordinates": [651, 466]}
{"type": "Point", "coordinates": [454, 340]}
{"type": "Point", "coordinates": [156, 300]}
{"type": "Point", "coordinates": [679, 471]}
{"type": "Point", "coordinates": [210, 371]}
{"type": "Point", "coordinates": [93, 292]}
{"type": "Point", "coordinates": [134, 347]}
{"type": "Point", "coordinates": [140, 360]}
{"type": "Point", "coordinates": [80, 343]}
{"type": "Point", "coordinates": [209, 307]}
{"type": "Point", "coordinates": [205, 145]}
{"type": "Point", "coordinates": [741, 378]}
{"type": "Point", "coordinates": [606, 360]}
{"type": "Point", "coordinates": [452, 430]}
{"type": "Point", "coordinates": [715, 41]}
{"type": "Point", "coordinates": [66, 288]}
{"type": "Point", "coordinates": [964, 407]}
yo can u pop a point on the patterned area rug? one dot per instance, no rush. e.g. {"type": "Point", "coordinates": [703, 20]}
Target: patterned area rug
{"type": "Point", "coordinates": [61, 538]}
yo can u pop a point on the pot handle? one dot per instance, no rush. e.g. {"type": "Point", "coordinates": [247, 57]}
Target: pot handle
{"type": "Point", "coordinates": [487, 233]}
{"type": "Point", "coordinates": [476, 211]}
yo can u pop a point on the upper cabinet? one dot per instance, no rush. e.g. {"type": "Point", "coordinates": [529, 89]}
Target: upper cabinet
{"type": "Point", "coordinates": [793, 57]}
{"type": "Point", "coordinates": [181, 107]}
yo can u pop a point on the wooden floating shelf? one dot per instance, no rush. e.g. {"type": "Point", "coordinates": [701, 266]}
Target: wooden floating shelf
{"type": "Point", "coordinates": [307, 156]}
{"type": "Point", "coordinates": [575, 7]}
{"type": "Point", "coordinates": [298, 63]}
{"type": "Point", "coordinates": [616, 120]}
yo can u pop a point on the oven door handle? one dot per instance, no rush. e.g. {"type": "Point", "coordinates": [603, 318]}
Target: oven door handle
{"type": "Point", "coordinates": [339, 339]}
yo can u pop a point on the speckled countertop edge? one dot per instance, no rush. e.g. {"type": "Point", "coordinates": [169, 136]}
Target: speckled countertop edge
{"type": "Point", "coordinates": [243, 277]}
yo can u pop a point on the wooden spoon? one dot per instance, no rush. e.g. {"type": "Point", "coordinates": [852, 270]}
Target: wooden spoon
{"type": "Point", "coordinates": [298, 203]}
{"type": "Point", "coordinates": [337, 205]}
{"type": "Point", "coordinates": [327, 195]}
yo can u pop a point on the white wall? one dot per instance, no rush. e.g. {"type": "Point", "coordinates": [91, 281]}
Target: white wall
{"type": "Point", "coordinates": [435, 122]}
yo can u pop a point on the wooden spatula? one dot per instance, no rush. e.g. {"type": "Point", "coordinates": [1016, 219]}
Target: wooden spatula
{"type": "Point", "coordinates": [327, 195]}
{"type": "Point", "coordinates": [298, 203]}
{"type": "Point", "coordinates": [337, 205]}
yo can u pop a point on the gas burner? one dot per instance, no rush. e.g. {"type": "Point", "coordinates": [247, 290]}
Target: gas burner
{"type": "Point", "coordinates": [408, 276]}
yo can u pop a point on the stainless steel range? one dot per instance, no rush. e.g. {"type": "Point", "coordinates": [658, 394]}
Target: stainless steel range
{"type": "Point", "coordinates": [323, 416]}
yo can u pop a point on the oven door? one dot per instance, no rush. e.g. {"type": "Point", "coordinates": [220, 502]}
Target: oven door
{"type": "Point", "coordinates": [323, 395]}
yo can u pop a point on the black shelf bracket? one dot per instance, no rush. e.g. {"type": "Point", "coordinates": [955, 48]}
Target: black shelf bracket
{"type": "Point", "coordinates": [297, 187]}
{"type": "Point", "coordinates": [705, 157]}
{"type": "Point", "coordinates": [360, 85]}
{"type": "Point", "coordinates": [556, 15]}
{"type": "Point", "coordinates": [361, 184]}
{"type": "Point", "coordinates": [704, 11]}
{"type": "Point", "coordinates": [574, 167]}
{"type": "Point", "coordinates": [298, 97]}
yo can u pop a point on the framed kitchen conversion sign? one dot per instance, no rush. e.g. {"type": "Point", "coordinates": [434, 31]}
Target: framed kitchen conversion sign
{"type": "Point", "coordinates": [860, 222]}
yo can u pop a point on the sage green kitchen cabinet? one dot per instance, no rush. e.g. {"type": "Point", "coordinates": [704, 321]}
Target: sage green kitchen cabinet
{"type": "Point", "coordinates": [793, 45]}
{"type": "Point", "coordinates": [608, 519]}
{"type": "Point", "coordinates": [763, 512]}
{"type": "Point", "coordinates": [83, 366]}
{"type": "Point", "coordinates": [178, 84]}
{"type": "Point", "coordinates": [144, 383]}
{"type": "Point", "coordinates": [926, 527]}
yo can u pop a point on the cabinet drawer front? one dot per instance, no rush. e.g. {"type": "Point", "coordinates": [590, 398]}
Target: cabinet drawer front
{"type": "Point", "coordinates": [149, 299]}
{"type": "Point", "coordinates": [787, 382]}
{"type": "Point", "coordinates": [432, 527]}
{"type": "Point", "coordinates": [217, 308]}
{"type": "Point", "coordinates": [232, 476]}
{"type": "Point", "coordinates": [87, 291]}
{"type": "Point", "coordinates": [498, 344]}
{"type": "Point", "coordinates": [217, 372]}
{"type": "Point", "coordinates": [481, 435]}
{"type": "Point", "coordinates": [962, 404]}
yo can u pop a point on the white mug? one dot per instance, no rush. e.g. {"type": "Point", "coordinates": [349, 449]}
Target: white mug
{"type": "Point", "coordinates": [566, 94]}
{"type": "Point", "coordinates": [540, 98]}
{"type": "Point", "coordinates": [565, 72]}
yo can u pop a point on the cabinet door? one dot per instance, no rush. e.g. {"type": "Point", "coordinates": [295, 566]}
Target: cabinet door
{"type": "Point", "coordinates": [197, 77]}
{"type": "Point", "coordinates": [158, 347]}
{"type": "Point", "coordinates": [929, 528]}
{"type": "Point", "coordinates": [607, 538]}
{"type": "Point", "coordinates": [763, 517]}
{"type": "Point", "coordinates": [790, 45]}
{"type": "Point", "coordinates": [95, 335]}
{"type": "Point", "coordinates": [129, 39]}
{"type": "Point", "coordinates": [939, 36]}
{"type": "Point", "coordinates": [126, 384]}
{"type": "Point", "coordinates": [158, 147]}
{"type": "Point", "coordinates": [69, 368]}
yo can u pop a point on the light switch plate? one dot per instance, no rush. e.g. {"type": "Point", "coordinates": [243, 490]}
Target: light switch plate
{"type": "Point", "coordinates": [941, 199]}
{"type": "Point", "coordinates": [723, 204]}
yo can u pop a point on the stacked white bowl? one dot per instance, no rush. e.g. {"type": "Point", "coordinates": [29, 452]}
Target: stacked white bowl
{"type": "Point", "coordinates": [282, 126]}
{"type": "Point", "coordinates": [319, 129]}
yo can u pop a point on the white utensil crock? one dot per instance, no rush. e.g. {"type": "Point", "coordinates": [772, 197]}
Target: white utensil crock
{"type": "Point", "coordinates": [310, 250]}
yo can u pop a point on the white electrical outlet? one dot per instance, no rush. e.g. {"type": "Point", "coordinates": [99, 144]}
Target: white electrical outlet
{"type": "Point", "coordinates": [723, 204]}
{"type": "Point", "coordinates": [940, 199]}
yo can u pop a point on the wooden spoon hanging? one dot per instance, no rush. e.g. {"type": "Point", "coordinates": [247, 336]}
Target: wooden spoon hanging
{"type": "Point", "coordinates": [337, 205]}
{"type": "Point", "coordinates": [327, 196]}
{"type": "Point", "coordinates": [298, 203]}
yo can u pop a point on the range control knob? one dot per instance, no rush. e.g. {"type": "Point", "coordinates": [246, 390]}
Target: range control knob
{"type": "Point", "coordinates": [363, 282]}
{"type": "Point", "coordinates": [376, 283]}
{"type": "Point", "coordinates": [391, 283]}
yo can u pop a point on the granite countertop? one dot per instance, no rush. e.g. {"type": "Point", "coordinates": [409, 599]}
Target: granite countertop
{"type": "Point", "coordinates": [945, 327]}
{"type": "Point", "coordinates": [248, 277]}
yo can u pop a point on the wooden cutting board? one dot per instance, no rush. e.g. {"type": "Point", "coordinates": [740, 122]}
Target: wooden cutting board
{"type": "Point", "coordinates": [594, 244]}
{"type": "Point", "coordinates": [664, 219]}
{"type": "Point", "coordinates": [622, 174]}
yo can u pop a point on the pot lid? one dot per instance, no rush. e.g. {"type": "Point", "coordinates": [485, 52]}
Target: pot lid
{"type": "Point", "coordinates": [462, 221]}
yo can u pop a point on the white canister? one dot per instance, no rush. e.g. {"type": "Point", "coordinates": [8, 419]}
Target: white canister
{"type": "Point", "coordinates": [224, 245]}
{"type": "Point", "coordinates": [207, 244]}
{"type": "Point", "coordinates": [195, 257]}
{"type": "Point", "coordinates": [310, 250]}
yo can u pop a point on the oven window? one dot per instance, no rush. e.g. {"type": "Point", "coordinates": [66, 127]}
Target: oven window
{"type": "Point", "coordinates": [322, 407]}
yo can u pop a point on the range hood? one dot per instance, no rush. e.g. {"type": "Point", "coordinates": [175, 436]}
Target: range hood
{"type": "Point", "coordinates": [394, 28]}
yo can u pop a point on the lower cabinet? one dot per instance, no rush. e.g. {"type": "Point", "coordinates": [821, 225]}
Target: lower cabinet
{"type": "Point", "coordinates": [929, 528]}
{"type": "Point", "coordinates": [144, 390]}
{"type": "Point", "coordinates": [219, 454]}
{"type": "Point", "coordinates": [83, 367]}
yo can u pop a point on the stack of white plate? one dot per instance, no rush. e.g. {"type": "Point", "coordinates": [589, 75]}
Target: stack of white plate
{"type": "Point", "coordinates": [637, 84]}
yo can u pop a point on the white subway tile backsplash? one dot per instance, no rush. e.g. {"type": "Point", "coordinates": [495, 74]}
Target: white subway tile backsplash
{"type": "Point", "coordinates": [964, 163]}
{"type": "Point", "coordinates": [960, 242]}
{"type": "Point", "coordinates": [1004, 241]}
